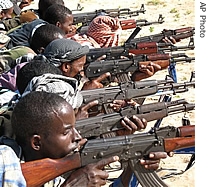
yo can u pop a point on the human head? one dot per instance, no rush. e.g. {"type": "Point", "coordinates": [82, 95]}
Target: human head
{"type": "Point", "coordinates": [20, 4]}
{"type": "Point", "coordinates": [68, 55]}
{"type": "Point", "coordinates": [44, 4]}
{"type": "Point", "coordinates": [44, 126]}
{"type": "Point", "coordinates": [44, 35]}
{"type": "Point", "coordinates": [35, 67]}
{"type": "Point", "coordinates": [60, 16]}
{"type": "Point", "coordinates": [6, 9]}
{"type": "Point", "coordinates": [105, 30]}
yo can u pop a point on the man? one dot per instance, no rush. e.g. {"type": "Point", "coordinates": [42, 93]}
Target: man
{"type": "Point", "coordinates": [23, 35]}
{"type": "Point", "coordinates": [70, 57]}
{"type": "Point", "coordinates": [62, 17]}
{"type": "Point", "coordinates": [44, 125]}
{"type": "Point", "coordinates": [43, 36]}
{"type": "Point", "coordinates": [39, 75]}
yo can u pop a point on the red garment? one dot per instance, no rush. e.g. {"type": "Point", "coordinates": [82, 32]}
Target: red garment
{"type": "Point", "coordinates": [105, 30]}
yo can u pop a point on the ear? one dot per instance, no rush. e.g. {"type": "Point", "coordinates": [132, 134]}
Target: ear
{"type": "Point", "coordinates": [40, 50]}
{"type": "Point", "coordinates": [58, 24]}
{"type": "Point", "coordinates": [36, 142]}
{"type": "Point", "coordinates": [65, 67]}
{"type": "Point", "coordinates": [1, 14]}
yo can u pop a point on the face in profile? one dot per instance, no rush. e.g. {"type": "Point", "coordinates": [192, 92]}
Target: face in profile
{"type": "Point", "coordinates": [76, 68]}
{"type": "Point", "coordinates": [62, 137]}
{"type": "Point", "coordinates": [67, 25]}
{"type": "Point", "coordinates": [6, 13]}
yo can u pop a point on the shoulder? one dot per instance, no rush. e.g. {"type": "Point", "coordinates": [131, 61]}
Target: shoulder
{"type": "Point", "coordinates": [8, 158]}
{"type": "Point", "coordinates": [10, 169]}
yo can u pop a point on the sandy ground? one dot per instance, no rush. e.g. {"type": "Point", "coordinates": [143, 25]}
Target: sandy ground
{"type": "Point", "coordinates": [177, 14]}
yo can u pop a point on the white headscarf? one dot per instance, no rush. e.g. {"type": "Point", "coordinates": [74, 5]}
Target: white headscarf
{"type": "Point", "coordinates": [5, 4]}
{"type": "Point", "coordinates": [64, 86]}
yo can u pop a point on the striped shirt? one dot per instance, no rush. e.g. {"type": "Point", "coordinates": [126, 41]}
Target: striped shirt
{"type": "Point", "coordinates": [10, 170]}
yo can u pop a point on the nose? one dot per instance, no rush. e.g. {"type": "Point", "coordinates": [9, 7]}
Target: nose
{"type": "Point", "coordinates": [82, 73]}
{"type": "Point", "coordinates": [77, 136]}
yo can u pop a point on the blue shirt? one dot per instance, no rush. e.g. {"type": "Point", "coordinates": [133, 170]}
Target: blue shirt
{"type": "Point", "coordinates": [10, 169]}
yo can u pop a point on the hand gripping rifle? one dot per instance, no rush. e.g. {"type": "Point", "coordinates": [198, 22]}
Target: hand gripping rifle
{"type": "Point", "coordinates": [105, 123]}
{"type": "Point", "coordinates": [129, 148]}
{"type": "Point", "coordinates": [154, 47]}
{"type": "Point", "coordinates": [138, 48]}
{"type": "Point", "coordinates": [86, 17]}
{"type": "Point", "coordinates": [132, 90]}
{"type": "Point", "coordinates": [120, 68]}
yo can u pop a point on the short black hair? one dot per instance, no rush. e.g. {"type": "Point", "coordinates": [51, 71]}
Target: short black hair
{"type": "Point", "coordinates": [33, 114]}
{"type": "Point", "coordinates": [44, 4]}
{"type": "Point", "coordinates": [56, 13]}
{"type": "Point", "coordinates": [36, 67]}
{"type": "Point", "coordinates": [44, 35]}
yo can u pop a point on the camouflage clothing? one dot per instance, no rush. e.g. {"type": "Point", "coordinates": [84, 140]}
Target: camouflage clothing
{"type": "Point", "coordinates": [9, 58]}
{"type": "Point", "coordinates": [8, 24]}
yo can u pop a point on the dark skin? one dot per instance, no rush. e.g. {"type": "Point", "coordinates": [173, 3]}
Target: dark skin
{"type": "Point", "coordinates": [76, 67]}
{"type": "Point", "coordinates": [67, 25]}
{"type": "Point", "coordinates": [65, 140]}
{"type": "Point", "coordinates": [145, 71]}
{"type": "Point", "coordinates": [72, 69]}
{"type": "Point", "coordinates": [62, 133]}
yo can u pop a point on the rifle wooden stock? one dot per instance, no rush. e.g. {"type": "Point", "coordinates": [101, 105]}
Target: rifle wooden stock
{"type": "Point", "coordinates": [154, 47]}
{"type": "Point", "coordinates": [39, 172]}
{"type": "Point", "coordinates": [128, 24]}
{"type": "Point", "coordinates": [145, 48]}
{"type": "Point", "coordinates": [172, 144]}
{"type": "Point", "coordinates": [136, 48]}
{"type": "Point", "coordinates": [188, 130]}
{"type": "Point", "coordinates": [132, 23]}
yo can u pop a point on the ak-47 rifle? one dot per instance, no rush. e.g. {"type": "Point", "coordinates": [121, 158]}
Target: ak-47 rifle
{"type": "Point", "coordinates": [153, 47]}
{"type": "Point", "coordinates": [105, 123]}
{"type": "Point", "coordinates": [129, 148]}
{"type": "Point", "coordinates": [132, 23]}
{"type": "Point", "coordinates": [177, 34]}
{"type": "Point", "coordinates": [86, 17]}
{"type": "Point", "coordinates": [137, 48]}
{"type": "Point", "coordinates": [120, 68]}
{"type": "Point", "coordinates": [132, 90]}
